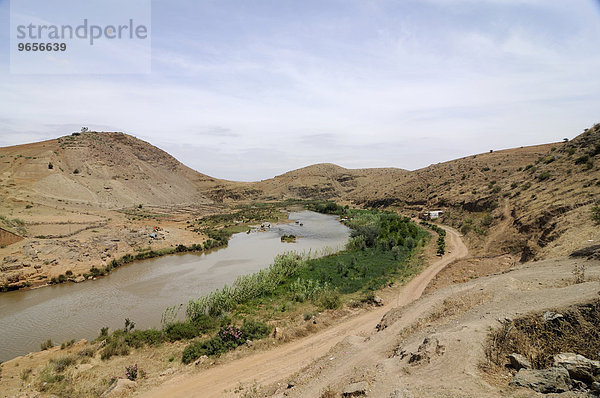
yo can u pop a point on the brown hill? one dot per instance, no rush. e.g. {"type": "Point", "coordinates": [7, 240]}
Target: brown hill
{"type": "Point", "coordinates": [75, 195]}
{"type": "Point", "coordinates": [110, 170]}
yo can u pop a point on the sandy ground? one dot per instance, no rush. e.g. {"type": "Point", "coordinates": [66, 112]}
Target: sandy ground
{"type": "Point", "coordinates": [274, 365]}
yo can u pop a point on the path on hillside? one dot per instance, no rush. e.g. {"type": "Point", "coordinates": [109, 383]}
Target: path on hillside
{"type": "Point", "coordinates": [270, 366]}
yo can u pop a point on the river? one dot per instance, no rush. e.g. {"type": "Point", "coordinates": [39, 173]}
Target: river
{"type": "Point", "coordinates": [142, 290]}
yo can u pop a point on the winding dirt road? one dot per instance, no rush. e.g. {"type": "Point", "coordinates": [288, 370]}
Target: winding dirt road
{"type": "Point", "coordinates": [268, 367]}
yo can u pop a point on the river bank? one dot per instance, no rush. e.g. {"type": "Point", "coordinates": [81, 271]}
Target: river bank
{"type": "Point", "coordinates": [289, 314]}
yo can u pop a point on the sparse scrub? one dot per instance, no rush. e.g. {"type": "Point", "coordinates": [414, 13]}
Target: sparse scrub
{"type": "Point", "coordinates": [539, 340]}
{"type": "Point", "coordinates": [595, 214]}
{"type": "Point", "coordinates": [46, 345]}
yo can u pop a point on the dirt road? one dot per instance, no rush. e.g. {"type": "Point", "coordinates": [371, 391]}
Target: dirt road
{"type": "Point", "coordinates": [271, 366]}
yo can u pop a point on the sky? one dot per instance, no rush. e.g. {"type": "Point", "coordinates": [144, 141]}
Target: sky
{"type": "Point", "coordinates": [249, 89]}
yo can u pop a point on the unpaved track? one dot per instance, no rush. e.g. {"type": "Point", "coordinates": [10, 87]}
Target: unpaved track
{"type": "Point", "coordinates": [271, 366]}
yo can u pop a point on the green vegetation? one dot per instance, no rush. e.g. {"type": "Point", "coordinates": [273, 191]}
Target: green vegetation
{"type": "Point", "coordinates": [441, 241]}
{"type": "Point", "coordinates": [375, 256]}
{"type": "Point", "coordinates": [543, 176]}
{"type": "Point", "coordinates": [288, 238]}
{"type": "Point", "coordinates": [46, 345]}
{"type": "Point", "coordinates": [228, 338]}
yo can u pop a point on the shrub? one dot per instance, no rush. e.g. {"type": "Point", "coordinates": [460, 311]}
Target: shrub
{"type": "Point", "coordinates": [139, 338]}
{"type": "Point", "coordinates": [131, 372]}
{"type": "Point", "coordinates": [87, 352]}
{"type": "Point", "coordinates": [255, 330]}
{"type": "Point", "coordinates": [46, 345]}
{"type": "Point", "coordinates": [231, 334]}
{"type": "Point", "coordinates": [543, 176]}
{"type": "Point", "coordinates": [50, 166]}
{"type": "Point", "coordinates": [181, 330]}
{"type": "Point", "coordinates": [330, 299]}
{"type": "Point", "coordinates": [61, 364]}
{"type": "Point", "coordinates": [582, 159]}
{"type": "Point", "coordinates": [76, 171]}
{"type": "Point", "coordinates": [595, 214]}
{"type": "Point", "coordinates": [212, 346]}
{"type": "Point", "coordinates": [115, 347]}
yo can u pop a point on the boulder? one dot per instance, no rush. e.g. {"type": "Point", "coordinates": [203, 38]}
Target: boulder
{"type": "Point", "coordinates": [356, 389]}
{"type": "Point", "coordinates": [551, 316]}
{"type": "Point", "coordinates": [401, 394]}
{"type": "Point", "coordinates": [119, 387]}
{"type": "Point", "coordinates": [518, 361]}
{"type": "Point", "coordinates": [378, 301]}
{"type": "Point", "coordinates": [578, 366]}
{"type": "Point", "coordinates": [553, 380]}
{"type": "Point", "coordinates": [79, 279]}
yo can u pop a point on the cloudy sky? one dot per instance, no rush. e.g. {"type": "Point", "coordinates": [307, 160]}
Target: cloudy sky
{"type": "Point", "coordinates": [249, 89]}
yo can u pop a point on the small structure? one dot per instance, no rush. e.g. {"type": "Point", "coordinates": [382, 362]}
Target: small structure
{"type": "Point", "coordinates": [431, 215]}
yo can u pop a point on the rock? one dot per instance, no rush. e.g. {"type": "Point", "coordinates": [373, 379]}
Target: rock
{"type": "Point", "coordinates": [10, 259]}
{"type": "Point", "coordinates": [595, 386]}
{"type": "Point", "coordinates": [37, 266]}
{"type": "Point", "coordinates": [401, 394]}
{"type": "Point", "coordinates": [249, 343]}
{"type": "Point", "coordinates": [578, 366]}
{"type": "Point", "coordinates": [378, 301]}
{"type": "Point", "coordinates": [29, 251]}
{"type": "Point", "coordinates": [291, 384]}
{"type": "Point", "coordinates": [553, 380]}
{"type": "Point", "coordinates": [200, 360]}
{"type": "Point", "coordinates": [119, 387]}
{"type": "Point", "coordinates": [426, 350]}
{"type": "Point", "coordinates": [167, 372]}
{"type": "Point", "coordinates": [79, 279]}
{"type": "Point", "coordinates": [356, 389]}
{"type": "Point", "coordinates": [278, 333]}
{"type": "Point", "coordinates": [518, 361]}
{"type": "Point", "coordinates": [551, 316]}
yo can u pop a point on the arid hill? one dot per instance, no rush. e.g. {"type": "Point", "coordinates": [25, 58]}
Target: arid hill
{"type": "Point", "coordinates": [82, 199]}
{"type": "Point", "coordinates": [108, 170]}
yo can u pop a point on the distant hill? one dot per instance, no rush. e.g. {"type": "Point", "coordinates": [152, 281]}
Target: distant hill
{"type": "Point", "coordinates": [534, 201]}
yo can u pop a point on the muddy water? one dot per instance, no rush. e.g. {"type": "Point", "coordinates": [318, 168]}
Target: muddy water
{"type": "Point", "coordinates": [142, 290]}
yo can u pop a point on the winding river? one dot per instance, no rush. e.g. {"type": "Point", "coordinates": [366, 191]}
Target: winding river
{"type": "Point", "coordinates": [141, 291]}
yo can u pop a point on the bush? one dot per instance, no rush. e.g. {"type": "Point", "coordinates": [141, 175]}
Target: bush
{"type": "Point", "coordinates": [255, 330]}
{"type": "Point", "coordinates": [76, 171]}
{"type": "Point", "coordinates": [61, 364]}
{"type": "Point", "coordinates": [543, 176]}
{"type": "Point", "coordinates": [330, 299]}
{"type": "Point", "coordinates": [46, 345]}
{"type": "Point", "coordinates": [181, 331]}
{"type": "Point", "coordinates": [139, 338]}
{"type": "Point", "coordinates": [115, 347]}
{"type": "Point", "coordinates": [131, 372]}
{"type": "Point", "coordinates": [582, 159]}
{"type": "Point", "coordinates": [213, 346]}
